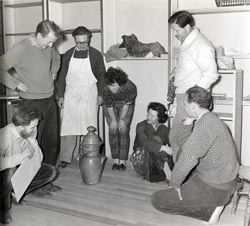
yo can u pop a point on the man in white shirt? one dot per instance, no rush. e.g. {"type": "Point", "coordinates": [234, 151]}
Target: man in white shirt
{"type": "Point", "coordinates": [18, 142]}
{"type": "Point", "coordinates": [196, 67]}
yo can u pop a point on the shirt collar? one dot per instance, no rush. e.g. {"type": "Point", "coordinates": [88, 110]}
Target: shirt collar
{"type": "Point", "coordinates": [33, 41]}
{"type": "Point", "coordinates": [190, 38]}
{"type": "Point", "coordinates": [203, 113]}
{"type": "Point", "coordinates": [16, 134]}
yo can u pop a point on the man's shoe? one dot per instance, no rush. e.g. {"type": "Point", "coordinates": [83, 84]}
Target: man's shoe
{"type": "Point", "coordinates": [63, 164]}
{"type": "Point", "coordinates": [122, 167]}
{"type": "Point", "coordinates": [115, 167]}
{"type": "Point", "coordinates": [5, 218]}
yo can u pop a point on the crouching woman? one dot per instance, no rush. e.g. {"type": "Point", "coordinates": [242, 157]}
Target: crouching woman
{"type": "Point", "coordinates": [152, 143]}
{"type": "Point", "coordinates": [119, 101]}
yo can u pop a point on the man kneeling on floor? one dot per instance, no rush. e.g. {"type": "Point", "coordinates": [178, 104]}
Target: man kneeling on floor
{"type": "Point", "coordinates": [204, 176]}
{"type": "Point", "coordinates": [17, 143]}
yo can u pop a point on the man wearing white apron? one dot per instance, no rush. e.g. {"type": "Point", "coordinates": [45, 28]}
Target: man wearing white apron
{"type": "Point", "coordinates": [82, 69]}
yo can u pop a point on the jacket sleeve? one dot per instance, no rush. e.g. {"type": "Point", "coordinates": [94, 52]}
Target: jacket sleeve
{"type": "Point", "coordinates": [206, 62]}
{"type": "Point", "coordinates": [98, 69]}
{"type": "Point", "coordinates": [55, 61]}
{"type": "Point", "coordinates": [61, 84]}
{"type": "Point", "coordinates": [149, 144]}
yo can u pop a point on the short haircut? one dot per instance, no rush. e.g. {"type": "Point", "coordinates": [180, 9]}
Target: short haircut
{"type": "Point", "coordinates": [199, 96]}
{"type": "Point", "coordinates": [23, 115]}
{"type": "Point", "coordinates": [81, 30]}
{"type": "Point", "coordinates": [115, 75]}
{"type": "Point", "coordinates": [182, 18]}
{"type": "Point", "coordinates": [161, 111]}
{"type": "Point", "coordinates": [46, 26]}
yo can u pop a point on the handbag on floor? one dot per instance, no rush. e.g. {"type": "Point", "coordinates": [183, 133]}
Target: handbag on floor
{"type": "Point", "coordinates": [154, 169]}
{"type": "Point", "coordinates": [148, 165]}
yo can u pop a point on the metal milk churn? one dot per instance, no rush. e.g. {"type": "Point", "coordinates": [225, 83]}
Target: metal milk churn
{"type": "Point", "coordinates": [91, 162]}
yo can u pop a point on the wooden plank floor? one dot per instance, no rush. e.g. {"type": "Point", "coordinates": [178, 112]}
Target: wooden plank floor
{"type": "Point", "coordinates": [121, 199]}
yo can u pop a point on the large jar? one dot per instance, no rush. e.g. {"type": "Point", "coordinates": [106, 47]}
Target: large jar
{"type": "Point", "coordinates": [91, 161]}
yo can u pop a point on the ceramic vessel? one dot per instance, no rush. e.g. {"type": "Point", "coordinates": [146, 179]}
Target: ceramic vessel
{"type": "Point", "coordinates": [91, 162]}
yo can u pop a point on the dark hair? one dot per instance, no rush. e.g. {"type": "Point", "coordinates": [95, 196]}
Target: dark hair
{"type": "Point", "coordinates": [81, 30]}
{"type": "Point", "coordinates": [161, 111]}
{"type": "Point", "coordinates": [46, 26]}
{"type": "Point", "coordinates": [115, 75]}
{"type": "Point", "coordinates": [182, 18]}
{"type": "Point", "coordinates": [23, 115]}
{"type": "Point", "coordinates": [200, 96]}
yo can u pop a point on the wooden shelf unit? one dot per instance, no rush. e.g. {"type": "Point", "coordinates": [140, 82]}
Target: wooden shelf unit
{"type": "Point", "coordinates": [235, 103]}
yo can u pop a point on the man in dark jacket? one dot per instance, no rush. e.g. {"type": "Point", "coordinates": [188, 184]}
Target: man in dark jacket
{"type": "Point", "coordinates": [80, 85]}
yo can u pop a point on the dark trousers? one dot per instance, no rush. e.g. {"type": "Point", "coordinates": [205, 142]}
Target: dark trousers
{"type": "Point", "coordinates": [48, 128]}
{"type": "Point", "coordinates": [199, 200]}
{"type": "Point", "coordinates": [46, 174]}
{"type": "Point", "coordinates": [120, 141]}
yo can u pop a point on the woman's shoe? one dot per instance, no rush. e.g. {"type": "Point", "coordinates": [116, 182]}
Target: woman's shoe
{"type": "Point", "coordinates": [115, 167]}
{"type": "Point", "coordinates": [122, 167]}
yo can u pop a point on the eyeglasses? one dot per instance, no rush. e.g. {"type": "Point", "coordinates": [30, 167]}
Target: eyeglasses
{"type": "Point", "coordinates": [83, 43]}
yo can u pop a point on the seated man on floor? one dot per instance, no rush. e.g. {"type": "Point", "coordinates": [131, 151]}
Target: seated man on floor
{"type": "Point", "coordinates": [204, 176]}
{"type": "Point", "coordinates": [18, 142]}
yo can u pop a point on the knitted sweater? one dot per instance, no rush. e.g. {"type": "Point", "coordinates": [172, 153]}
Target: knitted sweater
{"type": "Point", "coordinates": [196, 63]}
{"type": "Point", "coordinates": [146, 136]}
{"type": "Point", "coordinates": [34, 68]}
{"type": "Point", "coordinates": [210, 151]}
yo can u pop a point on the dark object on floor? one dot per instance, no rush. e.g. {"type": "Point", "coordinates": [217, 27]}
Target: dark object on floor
{"type": "Point", "coordinates": [122, 167]}
{"type": "Point", "coordinates": [41, 193]}
{"type": "Point", "coordinates": [149, 165]}
{"type": "Point", "coordinates": [5, 218]}
{"type": "Point", "coordinates": [115, 167]}
{"type": "Point", "coordinates": [155, 165]}
{"type": "Point", "coordinates": [63, 164]}
{"type": "Point", "coordinates": [52, 188]}
{"type": "Point", "coordinates": [139, 49]}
